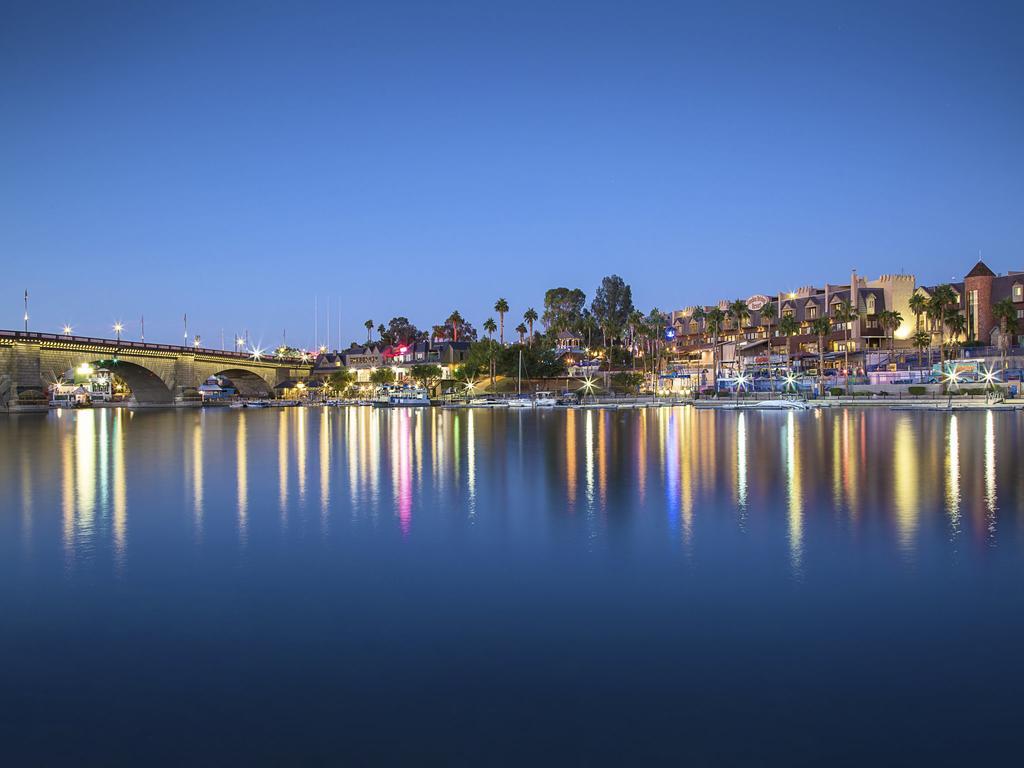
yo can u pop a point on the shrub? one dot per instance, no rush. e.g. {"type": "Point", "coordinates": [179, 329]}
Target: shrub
{"type": "Point", "coordinates": [836, 391]}
{"type": "Point", "coordinates": [917, 390]}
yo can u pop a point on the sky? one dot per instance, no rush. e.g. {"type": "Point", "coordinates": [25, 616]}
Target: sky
{"type": "Point", "coordinates": [239, 161]}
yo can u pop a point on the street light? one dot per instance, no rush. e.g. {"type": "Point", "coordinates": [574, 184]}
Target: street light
{"type": "Point", "coordinates": [195, 341]}
{"type": "Point", "coordinates": [67, 329]}
{"type": "Point", "coordinates": [118, 327]}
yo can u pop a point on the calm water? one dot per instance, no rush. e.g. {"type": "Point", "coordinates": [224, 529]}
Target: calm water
{"type": "Point", "coordinates": [489, 587]}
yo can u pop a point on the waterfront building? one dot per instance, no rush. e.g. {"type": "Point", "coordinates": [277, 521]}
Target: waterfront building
{"type": "Point", "coordinates": [976, 295]}
{"type": "Point", "coordinates": [363, 360]}
{"type": "Point", "coordinates": [757, 340]}
{"type": "Point", "coordinates": [864, 340]}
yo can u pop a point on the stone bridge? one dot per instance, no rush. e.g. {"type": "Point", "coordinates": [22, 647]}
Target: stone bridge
{"type": "Point", "coordinates": [156, 373]}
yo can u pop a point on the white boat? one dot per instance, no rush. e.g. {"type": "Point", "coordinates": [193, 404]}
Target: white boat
{"type": "Point", "coordinates": [487, 402]}
{"type": "Point", "coordinates": [401, 396]}
{"type": "Point", "coordinates": [519, 401]}
{"type": "Point", "coordinates": [545, 400]}
{"type": "Point", "coordinates": [780, 405]}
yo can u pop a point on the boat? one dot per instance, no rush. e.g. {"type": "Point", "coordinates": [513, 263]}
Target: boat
{"type": "Point", "coordinates": [519, 401]}
{"type": "Point", "coordinates": [401, 396]}
{"type": "Point", "coordinates": [487, 402]}
{"type": "Point", "coordinates": [780, 405]}
{"type": "Point", "coordinates": [545, 400]}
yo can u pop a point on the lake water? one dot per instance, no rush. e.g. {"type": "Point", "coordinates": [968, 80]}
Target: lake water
{"type": "Point", "coordinates": [485, 587]}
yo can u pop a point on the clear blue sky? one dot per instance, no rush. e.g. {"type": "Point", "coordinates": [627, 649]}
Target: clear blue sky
{"type": "Point", "coordinates": [233, 160]}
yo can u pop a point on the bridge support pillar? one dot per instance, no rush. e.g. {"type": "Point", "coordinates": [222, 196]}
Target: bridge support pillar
{"type": "Point", "coordinates": [19, 372]}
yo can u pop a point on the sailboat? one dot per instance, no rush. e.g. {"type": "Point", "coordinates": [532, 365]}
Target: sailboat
{"type": "Point", "coordinates": [519, 401]}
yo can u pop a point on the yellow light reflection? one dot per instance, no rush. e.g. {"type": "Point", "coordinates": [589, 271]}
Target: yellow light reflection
{"type": "Point", "coordinates": [120, 488]}
{"type": "Point", "coordinates": [953, 475]}
{"type": "Point", "coordinates": [905, 483]}
{"type": "Point", "coordinates": [85, 471]}
{"type": "Point", "coordinates": [990, 471]}
{"type": "Point", "coordinates": [300, 450]}
{"type": "Point", "coordinates": [588, 439]}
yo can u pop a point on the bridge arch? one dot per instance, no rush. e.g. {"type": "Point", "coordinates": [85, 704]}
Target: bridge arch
{"type": "Point", "coordinates": [145, 384]}
{"type": "Point", "coordinates": [248, 383]}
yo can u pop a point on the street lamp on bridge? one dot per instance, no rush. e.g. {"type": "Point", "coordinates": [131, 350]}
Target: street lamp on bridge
{"type": "Point", "coordinates": [118, 327]}
{"type": "Point", "coordinates": [67, 329]}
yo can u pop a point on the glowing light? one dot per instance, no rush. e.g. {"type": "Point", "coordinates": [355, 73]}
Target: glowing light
{"type": "Point", "coordinates": [792, 295]}
{"type": "Point", "coordinates": [256, 353]}
{"type": "Point", "coordinates": [195, 342]}
{"type": "Point", "coordinates": [323, 348]}
{"type": "Point", "coordinates": [990, 377]}
{"type": "Point", "coordinates": [790, 381]}
{"type": "Point", "coordinates": [84, 369]}
{"type": "Point", "coordinates": [742, 380]}
{"type": "Point", "coordinates": [67, 330]}
{"type": "Point", "coordinates": [589, 384]}
{"type": "Point", "coordinates": [470, 385]}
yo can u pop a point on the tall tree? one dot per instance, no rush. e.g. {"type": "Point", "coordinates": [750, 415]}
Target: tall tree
{"type": "Point", "coordinates": [563, 309]}
{"type": "Point", "coordinates": [530, 316]}
{"type": "Point", "coordinates": [521, 330]}
{"type": "Point", "coordinates": [714, 320]}
{"type": "Point", "coordinates": [369, 329]}
{"type": "Point", "coordinates": [613, 301]}
{"type": "Point", "coordinates": [381, 330]}
{"type": "Point", "coordinates": [489, 327]}
{"type": "Point", "coordinates": [401, 331]}
{"type": "Point", "coordinates": [501, 307]}
{"type": "Point", "coordinates": [455, 321]}
{"type": "Point", "coordinates": [922, 340]}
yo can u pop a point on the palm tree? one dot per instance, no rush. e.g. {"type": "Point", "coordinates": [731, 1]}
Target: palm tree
{"type": "Point", "coordinates": [957, 327]}
{"type": "Point", "coordinates": [739, 312]}
{"type": "Point", "coordinates": [891, 320]}
{"type": "Point", "coordinates": [501, 307]}
{"type": "Point", "coordinates": [918, 305]}
{"type": "Point", "coordinates": [490, 328]}
{"type": "Point", "coordinates": [381, 330]}
{"type": "Point", "coordinates": [339, 381]}
{"type": "Point", "coordinates": [521, 330]}
{"type": "Point", "coordinates": [940, 306]}
{"type": "Point", "coordinates": [821, 327]}
{"type": "Point", "coordinates": [530, 316]}
{"type": "Point", "coordinates": [1006, 315]}
{"type": "Point", "coordinates": [788, 327]}
{"type": "Point", "coordinates": [922, 340]}
{"type": "Point", "coordinates": [369, 329]}
{"type": "Point", "coordinates": [455, 320]}
{"type": "Point", "coordinates": [844, 314]}
{"type": "Point", "coordinates": [714, 319]}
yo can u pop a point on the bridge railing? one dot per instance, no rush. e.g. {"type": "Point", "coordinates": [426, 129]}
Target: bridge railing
{"type": "Point", "coordinates": [140, 345]}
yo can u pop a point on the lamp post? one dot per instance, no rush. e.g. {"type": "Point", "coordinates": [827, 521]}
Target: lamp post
{"type": "Point", "coordinates": [26, 310]}
{"type": "Point", "coordinates": [67, 329]}
{"type": "Point", "coordinates": [118, 327]}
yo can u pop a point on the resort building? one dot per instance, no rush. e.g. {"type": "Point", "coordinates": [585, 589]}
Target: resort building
{"type": "Point", "coordinates": [750, 332]}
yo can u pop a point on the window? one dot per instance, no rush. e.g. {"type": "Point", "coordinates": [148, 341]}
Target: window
{"type": "Point", "coordinates": [972, 313]}
{"type": "Point", "coordinates": [1020, 314]}
{"type": "Point", "coordinates": [812, 312]}
{"type": "Point", "coordinates": [871, 305]}
{"type": "Point", "coordinates": [1018, 292]}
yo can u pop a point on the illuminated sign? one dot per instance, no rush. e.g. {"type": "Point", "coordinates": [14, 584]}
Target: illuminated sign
{"type": "Point", "coordinates": [756, 303]}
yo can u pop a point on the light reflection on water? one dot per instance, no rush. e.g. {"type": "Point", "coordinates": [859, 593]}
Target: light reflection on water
{"type": "Point", "coordinates": [421, 545]}
{"type": "Point", "coordinates": [705, 464]}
